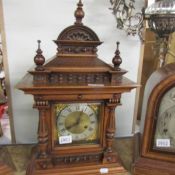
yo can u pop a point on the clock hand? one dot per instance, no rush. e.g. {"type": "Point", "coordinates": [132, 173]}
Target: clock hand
{"type": "Point", "coordinates": [71, 126]}
{"type": "Point", "coordinates": [79, 118]}
{"type": "Point", "coordinates": [76, 123]}
{"type": "Point", "coordinates": [81, 114]}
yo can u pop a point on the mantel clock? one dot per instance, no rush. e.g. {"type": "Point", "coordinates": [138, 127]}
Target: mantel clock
{"type": "Point", "coordinates": [76, 94]}
{"type": "Point", "coordinates": [158, 125]}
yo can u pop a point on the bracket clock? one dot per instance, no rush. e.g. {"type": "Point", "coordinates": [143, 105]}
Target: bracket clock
{"type": "Point", "coordinates": [76, 94]}
{"type": "Point", "coordinates": [158, 115]}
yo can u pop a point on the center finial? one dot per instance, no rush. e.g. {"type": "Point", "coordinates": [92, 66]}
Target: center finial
{"type": "Point", "coordinates": [79, 13]}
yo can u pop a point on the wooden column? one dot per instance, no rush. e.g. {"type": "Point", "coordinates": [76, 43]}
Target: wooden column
{"type": "Point", "coordinates": [110, 156]}
{"type": "Point", "coordinates": [43, 157]}
{"type": "Point", "coordinates": [42, 134]}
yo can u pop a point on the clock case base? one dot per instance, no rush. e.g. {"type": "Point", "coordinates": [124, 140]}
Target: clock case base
{"type": "Point", "coordinates": [148, 166]}
{"type": "Point", "coordinates": [144, 166]}
{"type": "Point", "coordinates": [76, 169]}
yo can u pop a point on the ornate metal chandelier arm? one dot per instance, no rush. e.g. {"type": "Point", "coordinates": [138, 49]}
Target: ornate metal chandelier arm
{"type": "Point", "coordinates": [126, 19]}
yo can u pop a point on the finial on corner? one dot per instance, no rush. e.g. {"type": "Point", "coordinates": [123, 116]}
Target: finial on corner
{"type": "Point", "coordinates": [117, 59]}
{"type": "Point", "coordinates": [39, 58]}
{"type": "Point", "coordinates": [79, 13]}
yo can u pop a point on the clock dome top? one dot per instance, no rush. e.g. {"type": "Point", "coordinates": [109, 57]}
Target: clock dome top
{"type": "Point", "coordinates": [78, 33]}
{"type": "Point", "coordinates": [77, 37]}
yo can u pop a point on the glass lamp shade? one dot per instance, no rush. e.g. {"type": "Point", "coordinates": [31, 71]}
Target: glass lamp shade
{"type": "Point", "coordinates": [161, 17]}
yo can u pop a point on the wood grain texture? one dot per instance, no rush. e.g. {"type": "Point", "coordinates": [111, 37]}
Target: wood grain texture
{"type": "Point", "coordinates": [5, 170]}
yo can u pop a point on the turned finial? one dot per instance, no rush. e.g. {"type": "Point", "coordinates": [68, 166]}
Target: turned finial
{"type": "Point", "coordinates": [39, 58]}
{"type": "Point", "coordinates": [117, 59]}
{"type": "Point", "coordinates": [79, 13]}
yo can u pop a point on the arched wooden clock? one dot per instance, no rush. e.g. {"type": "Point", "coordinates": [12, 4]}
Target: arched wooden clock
{"type": "Point", "coordinates": [76, 94]}
{"type": "Point", "coordinates": [158, 118]}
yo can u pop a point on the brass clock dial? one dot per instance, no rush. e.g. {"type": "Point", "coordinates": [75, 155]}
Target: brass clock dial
{"type": "Point", "coordinates": [165, 130]}
{"type": "Point", "coordinates": [78, 120]}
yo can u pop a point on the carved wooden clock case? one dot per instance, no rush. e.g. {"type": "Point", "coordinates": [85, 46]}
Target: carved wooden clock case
{"type": "Point", "coordinates": [76, 94]}
{"type": "Point", "coordinates": [158, 125]}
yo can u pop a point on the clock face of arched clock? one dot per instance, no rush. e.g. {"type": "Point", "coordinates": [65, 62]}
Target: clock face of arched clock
{"type": "Point", "coordinates": [78, 122]}
{"type": "Point", "coordinates": [164, 138]}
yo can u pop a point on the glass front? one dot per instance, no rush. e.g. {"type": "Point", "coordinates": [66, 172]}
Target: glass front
{"type": "Point", "coordinates": [77, 123]}
{"type": "Point", "coordinates": [165, 127]}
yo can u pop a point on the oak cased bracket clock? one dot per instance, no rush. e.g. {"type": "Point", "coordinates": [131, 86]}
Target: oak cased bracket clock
{"type": "Point", "coordinates": [157, 156]}
{"type": "Point", "coordinates": [76, 94]}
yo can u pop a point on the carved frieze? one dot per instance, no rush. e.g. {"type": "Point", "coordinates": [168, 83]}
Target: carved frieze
{"type": "Point", "coordinates": [59, 78]}
{"type": "Point", "coordinates": [77, 159]}
{"type": "Point", "coordinates": [77, 50]}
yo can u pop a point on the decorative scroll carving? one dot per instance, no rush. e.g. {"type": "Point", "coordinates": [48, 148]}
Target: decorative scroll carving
{"type": "Point", "coordinates": [77, 159]}
{"type": "Point", "coordinates": [127, 19]}
{"type": "Point", "coordinates": [75, 50]}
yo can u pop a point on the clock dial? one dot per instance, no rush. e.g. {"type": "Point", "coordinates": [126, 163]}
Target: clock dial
{"type": "Point", "coordinates": [165, 130]}
{"type": "Point", "coordinates": [78, 120]}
